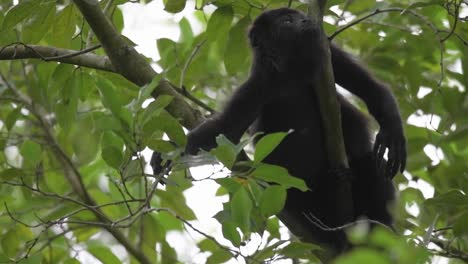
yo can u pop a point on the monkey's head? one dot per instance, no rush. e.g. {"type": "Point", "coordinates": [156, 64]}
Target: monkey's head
{"type": "Point", "coordinates": [283, 35]}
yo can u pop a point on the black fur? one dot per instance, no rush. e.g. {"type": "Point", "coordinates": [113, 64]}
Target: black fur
{"type": "Point", "coordinates": [279, 96]}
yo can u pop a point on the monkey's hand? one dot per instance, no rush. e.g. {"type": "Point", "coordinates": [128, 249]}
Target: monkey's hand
{"type": "Point", "coordinates": [391, 137]}
{"type": "Point", "coordinates": [160, 167]}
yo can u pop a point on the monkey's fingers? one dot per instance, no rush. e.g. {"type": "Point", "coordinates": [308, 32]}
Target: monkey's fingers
{"type": "Point", "coordinates": [393, 162]}
{"type": "Point", "coordinates": [378, 145]}
{"type": "Point", "coordinates": [381, 153]}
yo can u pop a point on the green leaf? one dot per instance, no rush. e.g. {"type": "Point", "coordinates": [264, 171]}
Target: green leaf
{"type": "Point", "coordinates": [186, 34]}
{"type": "Point", "coordinates": [230, 232]}
{"type": "Point", "coordinates": [168, 253]}
{"type": "Point", "coordinates": [268, 252]}
{"type": "Point", "coordinates": [146, 91]}
{"type": "Point", "coordinates": [207, 245]}
{"type": "Point", "coordinates": [12, 240]}
{"type": "Point", "coordinates": [229, 184]}
{"type": "Point", "coordinates": [64, 26]}
{"type": "Point", "coordinates": [241, 206]}
{"type": "Point", "coordinates": [161, 146]}
{"type": "Point", "coordinates": [20, 12]}
{"type": "Point", "coordinates": [31, 152]}
{"type": "Point", "coordinates": [87, 85]}
{"type": "Point", "coordinates": [273, 227]}
{"type": "Point", "coordinates": [104, 198]}
{"type": "Point", "coordinates": [155, 108]}
{"type": "Point", "coordinates": [219, 256]}
{"type": "Point", "coordinates": [168, 51]}
{"type": "Point", "coordinates": [460, 228]}
{"type": "Point", "coordinates": [425, 3]}
{"type": "Point", "coordinates": [176, 202]}
{"type": "Point", "coordinates": [237, 55]}
{"type": "Point", "coordinates": [272, 200]}
{"type": "Point", "coordinates": [104, 254]}
{"type": "Point", "coordinates": [85, 145]}
{"type": "Point", "coordinates": [363, 255]}
{"type": "Point", "coordinates": [267, 144]}
{"type": "Point", "coordinates": [167, 123]}
{"type": "Point", "coordinates": [299, 250]}
{"type": "Point", "coordinates": [10, 174]}
{"type": "Point", "coordinates": [60, 75]}
{"type": "Point", "coordinates": [110, 96]}
{"type": "Point", "coordinates": [279, 175]}
{"type": "Point", "coordinates": [219, 23]}
{"type": "Point", "coordinates": [112, 156]}
{"type": "Point", "coordinates": [174, 6]}
{"type": "Point", "coordinates": [67, 106]}
{"type": "Point", "coordinates": [10, 243]}
{"type": "Point", "coordinates": [12, 117]}
{"type": "Point", "coordinates": [40, 23]}
{"type": "Point", "coordinates": [226, 152]}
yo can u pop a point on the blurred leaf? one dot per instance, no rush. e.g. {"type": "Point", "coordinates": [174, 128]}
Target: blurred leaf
{"type": "Point", "coordinates": [298, 250]}
{"type": "Point", "coordinates": [64, 26]}
{"type": "Point", "coordinates": [20, 12]}
{"type": "Point", "coordinates": [207, 245]}
{"type": "Point", "coordinates": [163, 121]}
{"type": "Point", "coordinates": [174, 6]}
{"type": "Point", "coordinates": [219, 256]}
{"type": "Point", "coordinates": [460, 228]}
{"type": "Point", "coordinates": [10, 174]}
{"type": "Point", "coordinates": [112, 149]}
{"type": "Point", "coordinates": [12, 118]}
{"type": "Point", "coordinates": [31, 152]}
{"type": "Point", "coordinates": [176, 202]}
{"type": "Point", "coordinates": [168, 254]}
{"type": "Point", "coordinates": [40, 23]}
{"type": "Point", "coordinates": [425, 3]}
{"type": "Point", "coordinates": [237, 55]}
{"type": "Point", "coordinates": [104, 254]}
{"type": "Point", "coordinates": [363, 255]}
{"type": "Point", "coordinates": [219, 23]}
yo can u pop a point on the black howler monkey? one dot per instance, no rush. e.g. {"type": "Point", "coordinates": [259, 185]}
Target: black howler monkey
{"type": "Point", "coordinates": [279, 96]}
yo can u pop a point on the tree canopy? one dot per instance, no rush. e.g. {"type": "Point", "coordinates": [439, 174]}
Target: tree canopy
{"type": "Point", "coordinates": [79, 106]}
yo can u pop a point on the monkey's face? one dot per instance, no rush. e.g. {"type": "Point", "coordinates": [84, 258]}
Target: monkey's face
{"type": "Point", "coordinates": [281, 30]}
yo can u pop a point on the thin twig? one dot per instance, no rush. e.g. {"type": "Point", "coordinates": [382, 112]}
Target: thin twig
{"type": "Point", "coordinates": [189, 61]}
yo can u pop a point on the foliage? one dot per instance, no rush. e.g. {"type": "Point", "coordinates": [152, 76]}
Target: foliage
{"type": "Point", "coordinates": [63, 126]}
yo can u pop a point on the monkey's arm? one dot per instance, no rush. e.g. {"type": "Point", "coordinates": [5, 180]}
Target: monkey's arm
{"type": "Point", "coordinates": [240, 111]}
{"type": "Point", "coordinates": [381, 104]}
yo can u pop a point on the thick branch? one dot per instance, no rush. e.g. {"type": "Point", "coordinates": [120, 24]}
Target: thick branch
{"type": "Point", "coordinates": [89, 60]}
{"type": "Point", "coordinates": [130, 64]}
{"type": "Point", "coordinates": [325, 91]}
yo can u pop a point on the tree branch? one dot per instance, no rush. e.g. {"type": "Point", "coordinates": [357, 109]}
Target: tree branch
{"type": "Point", "coordinates": [324, 83]}
{"type": "Point", "coordinates": [83, 58]}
